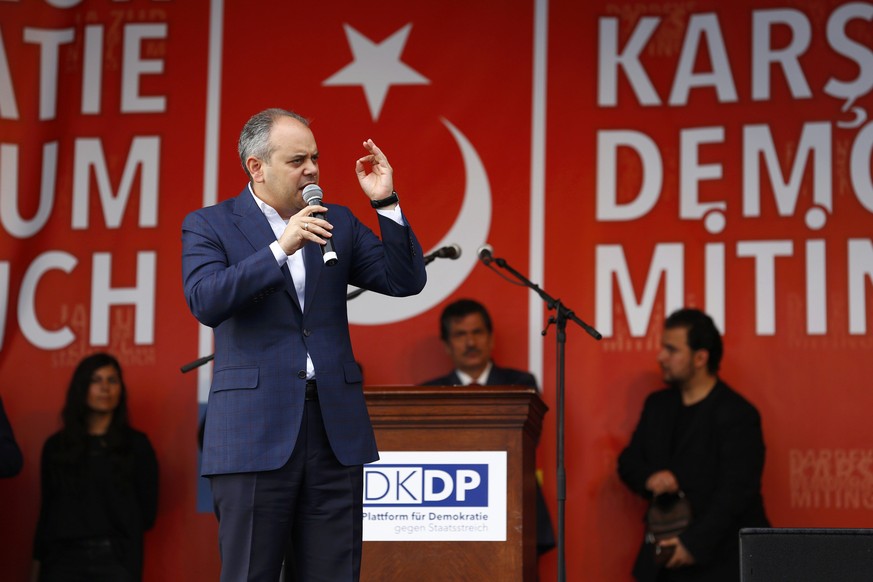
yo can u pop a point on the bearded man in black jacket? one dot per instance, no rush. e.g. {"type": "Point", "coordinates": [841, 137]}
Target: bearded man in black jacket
{"type": "Point", "coordinates": [701, 437]}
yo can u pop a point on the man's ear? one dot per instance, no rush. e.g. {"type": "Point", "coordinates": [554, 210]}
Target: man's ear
{"type": "Point", "coordinates": [701, 358]}
{"type": "Point", "coordinates": [255, 168]}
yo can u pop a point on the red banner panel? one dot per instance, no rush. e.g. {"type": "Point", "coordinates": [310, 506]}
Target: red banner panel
{"type": "Point", "coordinates": [630, 158]}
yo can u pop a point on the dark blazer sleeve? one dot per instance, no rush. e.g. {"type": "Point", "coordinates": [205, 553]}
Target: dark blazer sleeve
{"type": "Point", "coordinates": [648, 450]}
{"type": "Point", "coordinates": [392, 265]}
{"type": "Point", "coordinates": [11, 460]}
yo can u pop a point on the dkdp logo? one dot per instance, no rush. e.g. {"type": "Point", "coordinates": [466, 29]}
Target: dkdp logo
{"type": "Point", "coordinates": [428, 485]}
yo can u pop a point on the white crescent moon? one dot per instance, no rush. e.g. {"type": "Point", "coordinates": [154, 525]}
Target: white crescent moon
{"type": "Point", "coordinates": [470, 231]}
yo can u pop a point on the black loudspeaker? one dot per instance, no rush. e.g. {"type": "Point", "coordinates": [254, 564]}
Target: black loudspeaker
{"type": "Point", "coordinates": [806, 555]}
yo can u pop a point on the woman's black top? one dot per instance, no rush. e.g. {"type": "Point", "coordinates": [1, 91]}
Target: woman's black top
{"type": "Point", "coordinates": [104, 492]}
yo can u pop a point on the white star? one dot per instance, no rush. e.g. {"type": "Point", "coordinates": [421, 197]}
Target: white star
{"type": "Point", "coordinates": [376, 67]}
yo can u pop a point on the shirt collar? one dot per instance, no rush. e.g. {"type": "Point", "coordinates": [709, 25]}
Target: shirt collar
{"type": "Point", "coordinates": [466, 379]}
{"type": "Point", "coordinates": [266, 209]}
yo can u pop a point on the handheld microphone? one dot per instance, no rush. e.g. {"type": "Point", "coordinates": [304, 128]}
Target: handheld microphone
{"type": "Point", "coordinates": [312, 195]}
{"type": "Point", "coordinates": [485, 253]}
{"type": "Point", "coordinates": [452, 251]}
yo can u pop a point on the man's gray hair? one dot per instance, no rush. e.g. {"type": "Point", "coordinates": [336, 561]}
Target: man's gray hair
{"type": "Point", "coordinates": [254, 139]}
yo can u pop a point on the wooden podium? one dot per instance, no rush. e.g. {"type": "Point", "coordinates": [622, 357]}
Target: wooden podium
{"type": "Point", "coordinates": [456, 418]}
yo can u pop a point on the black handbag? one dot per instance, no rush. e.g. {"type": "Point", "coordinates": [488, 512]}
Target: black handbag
{"type": "Point", "coordinates": [669, 515]}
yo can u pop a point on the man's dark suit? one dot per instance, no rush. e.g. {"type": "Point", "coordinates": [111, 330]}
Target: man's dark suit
{"type": "Point", "coordinates": [718, 463]}
{"type": "Point", "coordinates": [511, 377]}
{"type": "Point", "coordinates": [234, 285]}
{"type": "Point", "coordinates": [497, 377]}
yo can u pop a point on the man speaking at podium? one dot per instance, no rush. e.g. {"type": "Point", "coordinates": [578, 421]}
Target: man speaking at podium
{"type": "Point", "coordinates": [468, 334]}
{"type": "Point", "coordinates": [287, 429]}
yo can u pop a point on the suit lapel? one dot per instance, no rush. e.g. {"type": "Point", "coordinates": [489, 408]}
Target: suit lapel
{"type": "Point", "coordinates": [256, 229]}
{"type": "Point", "coordinates": [251, 222]}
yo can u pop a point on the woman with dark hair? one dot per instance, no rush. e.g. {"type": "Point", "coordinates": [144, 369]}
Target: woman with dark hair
{"type": "Point", "coordinates": [99, 484]}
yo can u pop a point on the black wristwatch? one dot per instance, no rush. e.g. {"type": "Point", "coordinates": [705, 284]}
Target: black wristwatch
{"type": "Point", "coordinates": [387, 201]}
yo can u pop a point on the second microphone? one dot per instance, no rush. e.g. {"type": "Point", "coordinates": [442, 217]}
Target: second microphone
{"type": "Point", "coordinates": [312, 195]}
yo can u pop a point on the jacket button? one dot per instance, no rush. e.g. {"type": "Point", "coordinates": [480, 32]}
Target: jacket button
{"type": "Point", "coordinates": [301, 374]}
{"type": "Point", "coordinates": [306, 333]}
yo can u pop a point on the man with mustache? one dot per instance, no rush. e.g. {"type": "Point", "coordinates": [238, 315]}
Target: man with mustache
{"type": "Point", "coordinates": [467, 332]}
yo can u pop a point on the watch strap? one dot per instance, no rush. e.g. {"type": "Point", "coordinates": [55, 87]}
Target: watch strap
{"type": "Point", "coordinates": [387, 201]}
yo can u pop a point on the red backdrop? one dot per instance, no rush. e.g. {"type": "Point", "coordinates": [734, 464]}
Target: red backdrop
{"type": "Point", "coordinates": [630, 157]}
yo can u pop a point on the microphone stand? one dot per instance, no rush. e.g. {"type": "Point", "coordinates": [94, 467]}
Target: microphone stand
{"type": "Point", "coordinates": [560, 319]}
{"type": "Point", "coordinates": [428, 259]}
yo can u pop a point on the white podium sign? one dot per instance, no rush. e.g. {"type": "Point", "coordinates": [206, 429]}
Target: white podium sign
{"type": "Point", "coordinates": [435, 496]}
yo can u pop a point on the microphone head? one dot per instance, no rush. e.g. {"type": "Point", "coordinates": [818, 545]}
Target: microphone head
{"type": "Point", "coordinates": [485, 252]}
{"type": "Point", "coordinates": [453, 251]}
{"type": "Point", "coordinates": [312, 194]}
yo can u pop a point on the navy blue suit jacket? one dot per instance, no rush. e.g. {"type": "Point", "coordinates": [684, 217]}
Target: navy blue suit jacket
{"type": "Point", "coordinates": [234, 285]}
